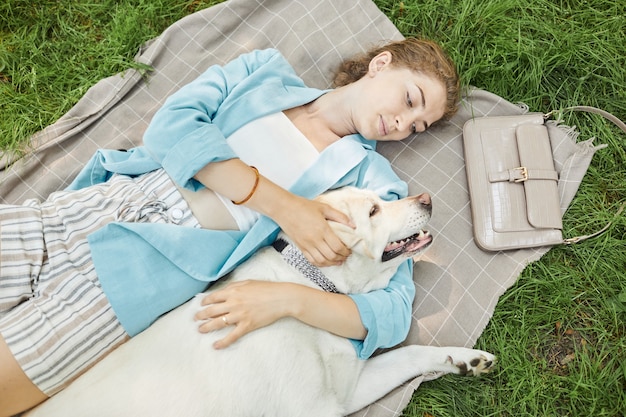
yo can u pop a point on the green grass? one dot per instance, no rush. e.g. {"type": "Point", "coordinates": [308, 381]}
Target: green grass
{"type": "Point", "coordinates": [560, 332]}
{"type": "Point", "coordinates": [52, 51]}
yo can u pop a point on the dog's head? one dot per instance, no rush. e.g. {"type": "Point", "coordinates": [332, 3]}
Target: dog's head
{"type": "Point", "coordinates": [386, 234]}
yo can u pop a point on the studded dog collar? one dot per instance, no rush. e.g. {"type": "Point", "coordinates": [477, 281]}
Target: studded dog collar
{"type": "Point", "coordinates": [294, 257]}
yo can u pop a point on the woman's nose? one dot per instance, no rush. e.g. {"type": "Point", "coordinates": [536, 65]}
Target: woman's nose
{"type": "Point", "coordinates": [403, 123]}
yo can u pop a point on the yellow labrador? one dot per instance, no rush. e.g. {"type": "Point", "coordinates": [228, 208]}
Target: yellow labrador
{"type": "Point", "coordinates": [286, 369]}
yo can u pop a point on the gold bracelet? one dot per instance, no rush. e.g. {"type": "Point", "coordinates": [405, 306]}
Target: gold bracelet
{"type": "Point", "coordinates": [254, 187]}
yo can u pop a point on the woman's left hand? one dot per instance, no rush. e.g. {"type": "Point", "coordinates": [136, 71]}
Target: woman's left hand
{"type": "Point", "coordinates": [244, 305]}
{"type": "Point", "coordinates": [250, 305]}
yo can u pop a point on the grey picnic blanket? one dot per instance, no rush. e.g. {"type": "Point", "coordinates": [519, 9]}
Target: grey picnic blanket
{"type": "Point", "coordinates": [458, 285]}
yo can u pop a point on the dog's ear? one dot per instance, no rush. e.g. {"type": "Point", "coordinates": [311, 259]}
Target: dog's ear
{"type": "Point", "coordinates": [351, 239]}
{"type": "Point", "coordinates": [345, 233]}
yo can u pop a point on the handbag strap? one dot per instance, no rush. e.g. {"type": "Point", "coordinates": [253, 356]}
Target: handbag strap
{"type": "Point", "coordinates": [577, 239]}
{"type": "Point", "coordinates": [594, 110]}
{"type": "Point", "coordinates": [622, 126]}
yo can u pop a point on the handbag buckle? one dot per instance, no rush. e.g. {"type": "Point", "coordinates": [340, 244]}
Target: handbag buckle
{"type": "Point", "coordinates": [523, 174]}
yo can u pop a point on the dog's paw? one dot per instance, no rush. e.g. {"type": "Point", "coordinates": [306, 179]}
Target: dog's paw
{"type": "Point", "coordinates": [471, 362]}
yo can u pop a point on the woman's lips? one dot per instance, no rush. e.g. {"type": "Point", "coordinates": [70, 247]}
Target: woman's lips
{"type": "Point", "coordinates": [382, 129]}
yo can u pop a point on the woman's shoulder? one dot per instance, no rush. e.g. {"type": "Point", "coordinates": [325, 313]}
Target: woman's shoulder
{"type": "Point", "coordinates": [264, 56]}
{"type": "Point", "coordinates": [268, 63]}
{"type": "Point", "coordinates": [245, 72]}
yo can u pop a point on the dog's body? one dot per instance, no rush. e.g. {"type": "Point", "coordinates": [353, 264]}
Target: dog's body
{"type": "Point", "coordinates": [285, 369]}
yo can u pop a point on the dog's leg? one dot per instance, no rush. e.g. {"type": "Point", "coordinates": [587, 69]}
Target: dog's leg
{"type": "Point", "coordinates": [383, 373]}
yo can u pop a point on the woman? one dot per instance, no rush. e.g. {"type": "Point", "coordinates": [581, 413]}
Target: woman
{"type": "Point", "coordinates": [142, 231]}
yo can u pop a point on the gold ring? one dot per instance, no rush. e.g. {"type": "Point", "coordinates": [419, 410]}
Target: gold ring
{"type": "Point", "coordinates": [224, 320]}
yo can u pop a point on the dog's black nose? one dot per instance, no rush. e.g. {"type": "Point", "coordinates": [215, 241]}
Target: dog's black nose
{"type": "Point", "coordinates": [424, 200]}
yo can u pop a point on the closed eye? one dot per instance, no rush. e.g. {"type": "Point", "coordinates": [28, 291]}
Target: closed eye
{"type": "Point", "coordinates": [374, 210]}
{"type": "Point", "coordinates": [409, 103]}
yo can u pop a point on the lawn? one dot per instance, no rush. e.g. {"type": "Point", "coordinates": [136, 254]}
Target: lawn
{"type": "Point", "coordinates": [560, 332]}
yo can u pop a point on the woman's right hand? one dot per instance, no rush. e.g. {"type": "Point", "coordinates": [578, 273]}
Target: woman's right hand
{"type": "Point", "coordinates": [306, 223]}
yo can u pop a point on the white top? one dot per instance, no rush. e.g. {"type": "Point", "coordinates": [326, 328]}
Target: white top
{"type": "Point", "coordinates": [277, 149]}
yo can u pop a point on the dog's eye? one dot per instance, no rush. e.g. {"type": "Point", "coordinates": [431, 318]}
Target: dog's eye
{"type": "Point", "coordinates": [375, 209]}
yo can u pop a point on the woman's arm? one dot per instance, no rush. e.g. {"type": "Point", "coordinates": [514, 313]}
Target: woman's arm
{"type": "Point", "coordinates": [305, 221]}
{"type": "Point", "coordinates": [374, 320]}
{"type": "Point", "coordinates": [183, 138]}
{"type": "Point", "coordinates": [250, 305]}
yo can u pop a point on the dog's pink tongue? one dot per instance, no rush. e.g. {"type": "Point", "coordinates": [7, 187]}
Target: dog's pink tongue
{"type": "Point", "coordinates": [416, 241]}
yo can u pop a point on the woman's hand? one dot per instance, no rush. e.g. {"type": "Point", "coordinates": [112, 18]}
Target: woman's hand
{"type": "Point", "coordinates": [250, 305]}
{"type": "Point", "coordinates": [306, 223]}
{"type": "Point", "coordinates": [245, 305]}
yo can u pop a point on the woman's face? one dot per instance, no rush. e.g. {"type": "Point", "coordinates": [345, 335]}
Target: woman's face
{"type": "Point", "coordinates": [396, 101]}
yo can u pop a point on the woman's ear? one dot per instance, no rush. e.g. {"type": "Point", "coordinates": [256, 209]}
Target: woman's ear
{"type": "Point", "coordinates": [379, 62]}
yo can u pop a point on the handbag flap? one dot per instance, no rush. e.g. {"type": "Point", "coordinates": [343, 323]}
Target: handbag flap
{"type": "Point", "coordinates": [539, 176]}
{"type": "Point", "coordinates": [506, 200]}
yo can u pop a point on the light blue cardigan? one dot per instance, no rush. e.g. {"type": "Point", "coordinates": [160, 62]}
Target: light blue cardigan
{"type": "Point", "coordinates": [148, 269]}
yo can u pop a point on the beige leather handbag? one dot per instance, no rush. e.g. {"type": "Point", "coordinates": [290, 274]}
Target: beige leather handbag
{"type": "Point", "coordinates": [513, 182]}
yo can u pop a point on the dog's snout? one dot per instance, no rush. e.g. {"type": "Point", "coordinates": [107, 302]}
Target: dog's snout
{"type": "Point", "coordinates": [424, 200]}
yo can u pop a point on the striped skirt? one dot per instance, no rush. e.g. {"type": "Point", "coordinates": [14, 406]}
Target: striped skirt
{"type": "Point", "coordinates": [53, 314]}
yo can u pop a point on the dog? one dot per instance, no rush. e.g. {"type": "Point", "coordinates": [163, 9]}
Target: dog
{"type": "Point", "coordinates": [285, 369]}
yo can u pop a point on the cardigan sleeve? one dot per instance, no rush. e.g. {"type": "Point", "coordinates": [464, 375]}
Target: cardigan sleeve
{"type": "Point", "coordinates": [386, 313]}
{"type": "Point", "coordinates": [183, 137]}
